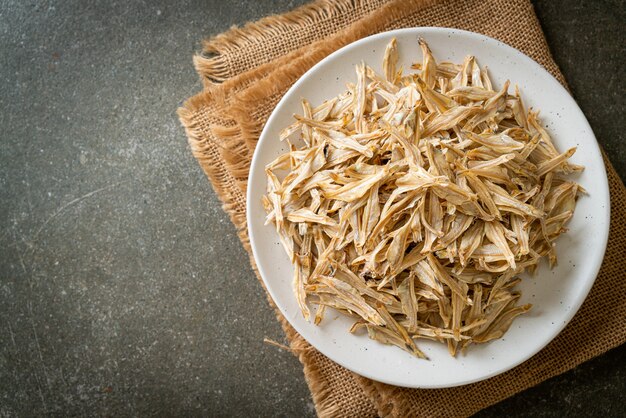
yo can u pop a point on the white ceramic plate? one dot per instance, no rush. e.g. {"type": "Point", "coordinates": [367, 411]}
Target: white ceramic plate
{"type": "Point", "coordinates": [556, 294]}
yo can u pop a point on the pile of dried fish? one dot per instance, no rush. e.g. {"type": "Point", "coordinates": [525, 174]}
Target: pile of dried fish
{"type": "Point", "coordinates": [413, 201]}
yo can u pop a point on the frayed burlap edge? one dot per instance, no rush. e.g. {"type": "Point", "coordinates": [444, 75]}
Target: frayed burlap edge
{"type": "Point", "coordinates": [214, 64]}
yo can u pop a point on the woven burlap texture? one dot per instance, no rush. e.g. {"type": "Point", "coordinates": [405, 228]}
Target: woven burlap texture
{"type": "Point", "coordinates": [256, 64]}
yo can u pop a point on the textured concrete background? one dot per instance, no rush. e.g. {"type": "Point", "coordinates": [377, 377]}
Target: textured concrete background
{"type": "Point", "coordinates": [123, 287]}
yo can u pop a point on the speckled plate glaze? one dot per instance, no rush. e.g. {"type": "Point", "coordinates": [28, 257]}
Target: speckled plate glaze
{"type": "Point", "coordinates": [556, 294]}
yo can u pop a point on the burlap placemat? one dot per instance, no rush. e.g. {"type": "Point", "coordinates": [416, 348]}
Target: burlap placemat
{"type": "Point", "coordinates": [245, 71]}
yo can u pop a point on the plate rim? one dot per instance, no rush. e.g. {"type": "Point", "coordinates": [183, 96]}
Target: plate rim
{"type": "Point", "coordinates": [577, 303]}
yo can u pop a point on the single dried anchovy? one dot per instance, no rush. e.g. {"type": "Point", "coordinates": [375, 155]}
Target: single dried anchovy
{"type": "Point", "coordinates": [413, 201]}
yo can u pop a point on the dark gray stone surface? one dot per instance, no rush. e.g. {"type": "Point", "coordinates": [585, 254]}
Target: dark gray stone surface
{"type": "Point", "coordinates": [123, 287]}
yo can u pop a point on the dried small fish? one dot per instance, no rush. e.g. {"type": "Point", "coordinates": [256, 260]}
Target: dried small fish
{"type": "Point", "coordinates": [391, 60]}
{"type": "Point", "coordinates": [413, 201]}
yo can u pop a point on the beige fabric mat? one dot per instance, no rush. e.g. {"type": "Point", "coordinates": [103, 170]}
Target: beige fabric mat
{"type": "Point", "coordinates": [245, 71]}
